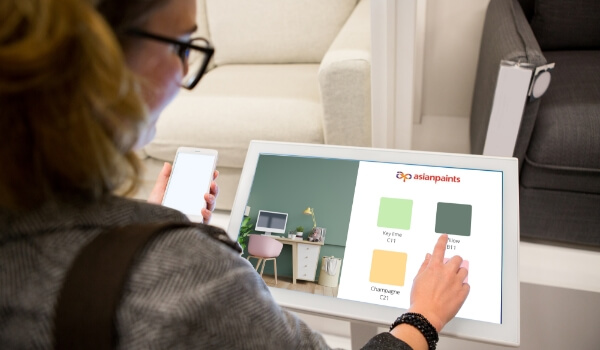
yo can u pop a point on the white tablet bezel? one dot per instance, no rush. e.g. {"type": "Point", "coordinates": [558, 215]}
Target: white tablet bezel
{"type": "Point", "coordinates": [506, 333]}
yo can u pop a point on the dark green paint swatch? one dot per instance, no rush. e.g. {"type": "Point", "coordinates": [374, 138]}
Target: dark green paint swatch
{"type": "Point", "coordinates": [453, 219]}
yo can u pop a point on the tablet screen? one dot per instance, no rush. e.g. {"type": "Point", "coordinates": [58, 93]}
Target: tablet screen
{"type": "Point", "coordinates": [373, 217]}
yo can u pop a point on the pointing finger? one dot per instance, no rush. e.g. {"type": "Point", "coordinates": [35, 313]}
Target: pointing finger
{"type": "Point", "coordinates": [440, 249]}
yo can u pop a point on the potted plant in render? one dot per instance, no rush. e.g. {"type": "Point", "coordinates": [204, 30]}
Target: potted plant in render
{"type": "Point", "coordinates": [299, 232]}
{"type": "Point", "coordinates": [245, 229]}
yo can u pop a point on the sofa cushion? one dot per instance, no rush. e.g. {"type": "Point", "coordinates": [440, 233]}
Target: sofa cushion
{"type": "Point", "coordinates": [564, 151]}
{"type": "Point", "coordinates": [235, 104]}
{"type": "Point", "coordinates": [561, 216]}
{"type": "Point", "coordinates": [567, 25]}
{"type": "Point", "coordinates": [274, 31]}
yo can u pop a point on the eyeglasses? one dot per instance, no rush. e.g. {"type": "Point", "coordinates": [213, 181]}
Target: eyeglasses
{"type": "Point", "coordinates": [194, 54]}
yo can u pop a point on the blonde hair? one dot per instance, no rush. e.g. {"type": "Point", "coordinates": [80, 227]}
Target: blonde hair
{"type": "Point", "coordinates": [71, 110]}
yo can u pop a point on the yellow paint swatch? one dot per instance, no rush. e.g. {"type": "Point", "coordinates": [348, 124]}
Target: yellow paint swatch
{"type": "Point", "coordinates": [388, 267]}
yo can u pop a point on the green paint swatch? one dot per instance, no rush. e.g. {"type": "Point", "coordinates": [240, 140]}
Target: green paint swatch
{"type": "Point", "coordinates": [453, 219]}
{"type": "Point", "coordinates": [395, 213]}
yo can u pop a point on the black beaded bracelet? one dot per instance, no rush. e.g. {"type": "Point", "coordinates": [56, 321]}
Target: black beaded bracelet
{"type": "Point", "coordinates": [422, 324]}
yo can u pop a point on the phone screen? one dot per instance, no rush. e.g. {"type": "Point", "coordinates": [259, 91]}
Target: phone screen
{"type": "Point", "coordinates": [190, 180]}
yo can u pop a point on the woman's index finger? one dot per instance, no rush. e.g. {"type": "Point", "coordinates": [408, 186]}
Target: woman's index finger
{"type": "Point", "coordinates": [440, 249]}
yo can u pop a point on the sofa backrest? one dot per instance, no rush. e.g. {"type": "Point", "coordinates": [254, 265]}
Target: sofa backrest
{"type": "Point", "coordinates": [528, 8]}
{"type": "Point", "coordinates": [201, 20]}
{"type": "Point", "coordinates": [272, 31]}
{"type": "Point", "coordinates": [564, 25]}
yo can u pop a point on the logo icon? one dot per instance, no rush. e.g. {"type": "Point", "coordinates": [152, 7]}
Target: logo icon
{"type": "Point", "coordinates": [402, 176]}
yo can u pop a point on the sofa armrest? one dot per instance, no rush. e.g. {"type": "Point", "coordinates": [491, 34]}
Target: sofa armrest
{"type": "Point", "coordinates": [506, 36]}
{"type": "Point", "coordinates": [345, 82]}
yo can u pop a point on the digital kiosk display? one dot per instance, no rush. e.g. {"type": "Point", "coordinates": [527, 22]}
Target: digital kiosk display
{"type": "Point", "coordinates": [383, 211]}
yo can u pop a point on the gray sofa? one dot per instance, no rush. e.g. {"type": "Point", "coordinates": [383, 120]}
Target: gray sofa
{"type": "Point", "coordinates": [558, 143]}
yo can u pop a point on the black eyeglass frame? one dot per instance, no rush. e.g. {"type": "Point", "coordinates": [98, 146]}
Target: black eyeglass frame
{"type": "Point", "coordinates": [207, 50]}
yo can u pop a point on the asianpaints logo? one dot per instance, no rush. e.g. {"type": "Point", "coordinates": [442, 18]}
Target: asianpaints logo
{"type": "Point", "coordinates": [426, 177]}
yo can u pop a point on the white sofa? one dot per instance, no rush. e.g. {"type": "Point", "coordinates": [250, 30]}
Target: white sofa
{"type": "Point", "coordinates": [286, 70]}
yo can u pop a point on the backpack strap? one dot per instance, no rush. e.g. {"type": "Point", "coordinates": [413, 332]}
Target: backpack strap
{"type": "Point", "coordinates": [86, 308]}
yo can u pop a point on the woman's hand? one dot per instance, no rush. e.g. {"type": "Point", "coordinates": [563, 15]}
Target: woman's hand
{"type": "Point", "coordinates": [439, 290]}
{"type": "Point", "coordinates": [158, 192]}
{"type": "Point", "coordinates": [211, 199]}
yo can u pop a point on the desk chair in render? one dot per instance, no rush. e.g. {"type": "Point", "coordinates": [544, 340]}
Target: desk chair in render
{"type": "Point", "coordinates": [264, 248]}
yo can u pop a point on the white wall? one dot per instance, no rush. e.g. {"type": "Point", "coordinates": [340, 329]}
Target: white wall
{"type": "Point", "coordinates": [451, 50]}
{"type": "Point", "coordinates": [452, 40]}
{"type": "Point", "coordinates": [425, 56]}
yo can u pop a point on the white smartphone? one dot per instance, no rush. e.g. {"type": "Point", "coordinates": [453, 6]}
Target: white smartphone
{"type": "Point", "coordinates": [190, 179]}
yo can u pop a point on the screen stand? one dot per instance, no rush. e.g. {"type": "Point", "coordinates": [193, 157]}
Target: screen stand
{"type": "Point", "coordinates": [267, 234]}
{"type": "Point", "coordinates": [361, 333]}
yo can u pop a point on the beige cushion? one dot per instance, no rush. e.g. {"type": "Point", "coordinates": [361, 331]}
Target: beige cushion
{"type": "Point", "coordinates": [274, 31]}
{"type": "Point", "coordinates": [238, 103]}
{"type": "Point", "coordinates": [345, 81]}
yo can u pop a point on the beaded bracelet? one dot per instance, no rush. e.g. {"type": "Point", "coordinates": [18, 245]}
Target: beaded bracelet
{"type": "Point", "coordinates": [422, 324]}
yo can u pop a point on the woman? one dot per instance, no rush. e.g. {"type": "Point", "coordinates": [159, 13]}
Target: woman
{"type": "Point", "coordinates": [72, 113]}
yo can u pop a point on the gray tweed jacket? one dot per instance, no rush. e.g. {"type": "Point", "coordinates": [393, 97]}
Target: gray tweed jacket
{"type": "Point", "coordinates": [186, 290]}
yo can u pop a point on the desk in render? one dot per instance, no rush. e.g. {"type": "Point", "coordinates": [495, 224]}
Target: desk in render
{"type": "Point", "coordinates": [305, 257]}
